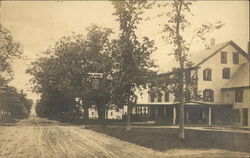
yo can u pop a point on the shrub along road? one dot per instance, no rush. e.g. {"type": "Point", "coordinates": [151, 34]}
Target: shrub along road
{"type": "Point", "coordinates": [42, 138]}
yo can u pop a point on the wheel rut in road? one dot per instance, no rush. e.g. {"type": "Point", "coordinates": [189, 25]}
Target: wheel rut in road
{"type": "Point", "coordinates": [41, 138]}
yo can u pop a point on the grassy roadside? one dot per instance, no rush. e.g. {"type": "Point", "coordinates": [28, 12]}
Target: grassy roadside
{"type": "Point", "coordinates": [7, 121]}
{"type": "Point", "coordinates": [164, 139]}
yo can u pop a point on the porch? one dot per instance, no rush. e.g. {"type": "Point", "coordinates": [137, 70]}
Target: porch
{"type": "Point", "coordinates": [194, 113]}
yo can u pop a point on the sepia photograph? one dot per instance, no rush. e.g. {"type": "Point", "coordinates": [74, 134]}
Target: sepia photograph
{"type": "Point", "coordinates": [124, 79]}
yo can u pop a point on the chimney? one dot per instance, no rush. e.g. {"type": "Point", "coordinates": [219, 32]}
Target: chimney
{"type": "Point", "coordinates": [212, 42]}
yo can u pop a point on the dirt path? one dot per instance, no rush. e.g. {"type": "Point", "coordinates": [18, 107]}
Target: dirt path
{"type": "Point", "coordinates": [41, 138]}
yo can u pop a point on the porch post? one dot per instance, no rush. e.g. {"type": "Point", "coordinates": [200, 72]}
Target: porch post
{"type": "Point", "coordinates": [174, 114]}
{"type": "Point", "coordinates": [209, 116]}
{"type": "Point", "coordinates": [165, 110]}
{"type": "Point", "coordinates": [204, 116]}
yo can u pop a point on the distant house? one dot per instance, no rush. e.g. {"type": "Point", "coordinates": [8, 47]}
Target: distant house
{"type": "Point", "coordinates": [93, 114]}
{"type": "Point", "coordinates": [222, 73]}
{"type": "Point", "coordinates": [113, 113]}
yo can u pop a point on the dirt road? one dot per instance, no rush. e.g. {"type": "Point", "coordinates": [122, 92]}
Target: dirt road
{"type": "Point", "coordinates": [41, 138]}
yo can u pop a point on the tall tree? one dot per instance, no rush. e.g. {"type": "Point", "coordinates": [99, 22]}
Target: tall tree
{"type": "Point", "coordinates": [9, 50]}
{"type": "Point", "coordinates": [16, 103]}
{"type": "Point", "coordinates": [175, 27]}
{"type": "Point", "coordinates": [64, 72]}
{"type": "Point", "coordinates": [132, 57]}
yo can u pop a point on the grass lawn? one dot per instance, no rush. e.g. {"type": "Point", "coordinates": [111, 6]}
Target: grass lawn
{"type": "Point", "coordinates": [166, 140]}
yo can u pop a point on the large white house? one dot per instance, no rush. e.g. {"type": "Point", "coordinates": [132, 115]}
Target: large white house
{"type": "Point", "coordinates": [222, 73]}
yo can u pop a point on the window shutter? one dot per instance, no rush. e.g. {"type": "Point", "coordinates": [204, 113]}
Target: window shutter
{"type": "Point", "coordinates": [204, 74]}
{"type": "Point", "coordinates": [212, 95]}
{"type": "Point", "coordinates": [241, 94]}
{"type": "Point", "coordinates": [204, 95]}
{"type": "Point", "coordinates": [210, 74]}
{"type": "Point", "coordinates": [222, 61]}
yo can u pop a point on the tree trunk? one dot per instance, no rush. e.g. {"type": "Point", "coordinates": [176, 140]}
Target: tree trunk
{"type": "Point", "coordinates": [181, 122]}
{"type": "Point", "coordinates": [86, 113]}
{"type": "Point", "coordinates": [181, 62]}
{"type": "Point", "coordinates": [101, 112]}
{"type": "Point", "coordinates": [105, 118]}
{"type": "Point", "coordinates": [128, 127]}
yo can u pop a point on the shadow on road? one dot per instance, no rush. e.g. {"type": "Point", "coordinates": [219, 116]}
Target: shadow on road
{"type": "Point", "coordinates": [31, 121]}
{"type": "Point", "coordinates": [163, 139]}
{"type": "Point", "coordinates": [8, 121]}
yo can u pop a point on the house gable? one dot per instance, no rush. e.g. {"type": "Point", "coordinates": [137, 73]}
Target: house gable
{"type": "Point", "coordinates": [219, 77]}
{"type": "Point", "coordinates": [219, 48]}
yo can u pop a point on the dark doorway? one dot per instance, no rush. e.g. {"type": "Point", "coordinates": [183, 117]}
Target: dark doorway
{"type": "Point", "coordinates": [151, 113]}
{"type": "Point", "coordinates": [196, 115]}
{"type": "Point", "coordinates": [161, 115]}
{"type": "Point", "coordinates": [169, 117]}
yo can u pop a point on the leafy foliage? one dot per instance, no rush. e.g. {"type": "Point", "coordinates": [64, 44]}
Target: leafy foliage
{"type": "Point", "coordinates": [15, 103]}
{"type": "Point", "coordinates": [12, 101]}
{"type": "Point", "coordinates": [9, 50]}
{"type": "Point", "coordinates": [132, 56]}
{"type": "Point", "coordinates": [174, 28]}
{"type": "Point", "coordinates": [63, 74]}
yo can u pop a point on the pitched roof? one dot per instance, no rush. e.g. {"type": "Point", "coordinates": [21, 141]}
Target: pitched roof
{"type": "Point", "coordinates": [201, 56]}
{"type": "Point", "coordinates": [240, 79]}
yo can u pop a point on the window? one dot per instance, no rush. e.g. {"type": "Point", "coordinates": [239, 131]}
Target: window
{"type": "Point", "coordinates": [239, 95]}
{"type": "Point", "coordinates": [166, 97]}
{"type": "Point", "coordinates": [152, 97]}
{"type": "Point", "coordinates": [159, 97]}
{"type": "Point", "coordinates": [111, 113]}
{"type": "Point", "coordinates": [235, 58]}
{"type": "Point", "coordinates": [187, 95]}
{"type": "Point", "coordinates": [236, 116]}
{"type": "Point", "coordinates": [226, 73]}
{"type": "Point", "coordinates": [223, 57]}
{"type": "Point", "coordinates": [207, 74]}
{"type": "Point", "coordinates": [95, 83]}
{"type": "Point", "coordinates": [208, 95]}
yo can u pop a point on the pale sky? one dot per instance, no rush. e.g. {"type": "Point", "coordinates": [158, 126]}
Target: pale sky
{"type": "Point", "coordinates": [39, 24]}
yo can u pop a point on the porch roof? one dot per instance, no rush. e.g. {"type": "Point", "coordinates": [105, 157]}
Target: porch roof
{"type": "Point", "coordinates": [157, 103]}
{"type": "Point", "coordinates": [207, 103]}
{"type": "Point", "coordinates": [191, 103]}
